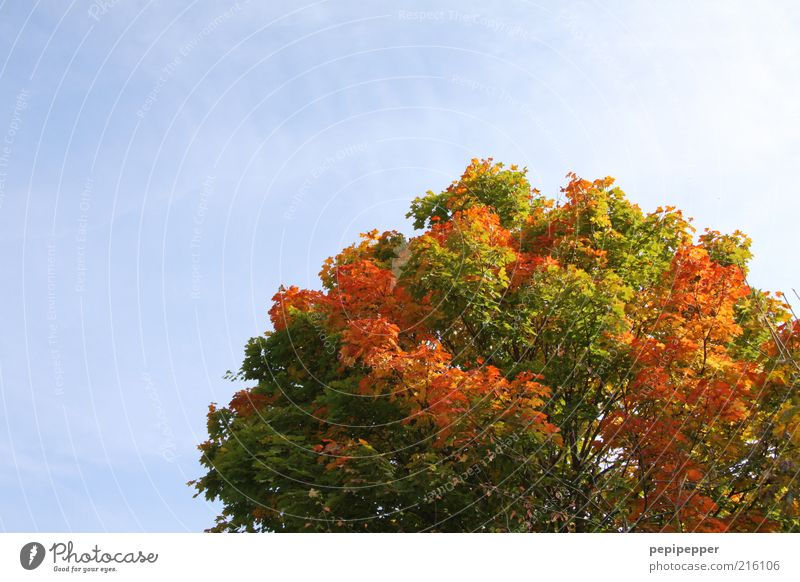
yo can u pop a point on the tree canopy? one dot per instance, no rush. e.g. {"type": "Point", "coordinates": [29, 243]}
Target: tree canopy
{"type": "Point", "coordinates": [522, 364]}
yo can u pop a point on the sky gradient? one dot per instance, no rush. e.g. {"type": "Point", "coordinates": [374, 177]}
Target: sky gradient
{"type": "Point", "coordinates": [165, 166]}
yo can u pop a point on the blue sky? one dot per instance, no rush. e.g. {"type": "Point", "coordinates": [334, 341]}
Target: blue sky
{"type": "Point", "coordinates": [165, 166]}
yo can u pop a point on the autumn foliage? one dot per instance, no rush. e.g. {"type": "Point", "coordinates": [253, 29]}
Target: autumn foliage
{"type": "Point", "coordinates": [521, 364]}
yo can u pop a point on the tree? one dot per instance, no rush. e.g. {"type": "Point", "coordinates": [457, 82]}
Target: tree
{"type": "Point", "coordinates": [523, 364]}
